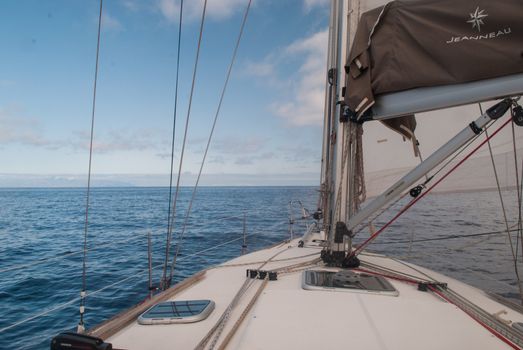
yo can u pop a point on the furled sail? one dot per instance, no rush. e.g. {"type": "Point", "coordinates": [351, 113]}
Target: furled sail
{"type": "Point", "coordinates": [409, 44]}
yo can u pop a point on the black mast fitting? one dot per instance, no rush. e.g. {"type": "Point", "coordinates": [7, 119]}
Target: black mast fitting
{"type": "Point", "coordinates": [341, 255]}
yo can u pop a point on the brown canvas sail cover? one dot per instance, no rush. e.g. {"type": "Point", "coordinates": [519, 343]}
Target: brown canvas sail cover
{"type": "Point", "coordinates": [409, 44]}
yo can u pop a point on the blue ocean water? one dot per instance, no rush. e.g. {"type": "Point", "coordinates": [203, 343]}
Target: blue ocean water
{"type": "Point", "coordinates": [41, 235]}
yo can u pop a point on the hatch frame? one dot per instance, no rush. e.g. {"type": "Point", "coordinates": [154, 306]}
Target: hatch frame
{"type": "Point", "coordinates": [306, 284]}
{"type": "Point", "coordinates": [143, 319]}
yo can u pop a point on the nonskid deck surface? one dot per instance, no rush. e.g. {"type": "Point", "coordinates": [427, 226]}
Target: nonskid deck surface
{"type": "Point", "coordinates": [282, 315]}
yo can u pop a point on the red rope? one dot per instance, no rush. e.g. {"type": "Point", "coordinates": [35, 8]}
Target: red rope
{"type": "Point", "coordinates": [414, 201]}
{"type": "Point", "coordinates": [402, 279]}
{"type": "Point", "coordinates": [491, 330]}
{"type": "Point", "coordinates": [442, 296]}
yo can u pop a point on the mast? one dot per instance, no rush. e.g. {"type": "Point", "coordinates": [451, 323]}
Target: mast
{"type": "Point", "coordinates": [337, 160]}
{"type": "Point", "coordinates": [350, 192]}
{"type": "Point", "coordinates": [342, 178]}
{"type": "Point", "coordinates": [330, 120]}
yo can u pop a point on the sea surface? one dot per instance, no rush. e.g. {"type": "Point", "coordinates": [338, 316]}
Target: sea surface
{"type": "Point", "coordinates": [41, 240]}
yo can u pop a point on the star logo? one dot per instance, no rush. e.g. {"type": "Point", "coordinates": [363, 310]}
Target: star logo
{"type": "Point", "coordinates": [476, 18]}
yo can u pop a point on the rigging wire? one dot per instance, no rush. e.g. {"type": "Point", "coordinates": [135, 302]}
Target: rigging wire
{"type": "Point", "coordinates": [518, 188]}
{"type": "Point", "coordinates": [415, 200]}
{"type": "Point", "coordinates": [501, 330]}
{"type": "Point", "coordinates": [457, 154]}
{"type": "Point", "coordinates": [425, 254]}
{"type": "Point", "coordinates": [444, 238]}
{"type": "Point", "coordinates": [173, 214]}
{"type": "Point", "coordinates": [81, 327]}
{"type": "Point", "coordinates": [363, 225]}
{"type": "Point", "coordinates": [443, 294]}
{"type": "Point", "coordinates": [459, 267]}
{"type": "Point", "coordinates": [502, 202]}
{"type": "Point", "coordinates": [520, 204]}
{"type": "Point", "coordinates": [174, 125]}
{"type": "Point", "coordinates": [218, 109]}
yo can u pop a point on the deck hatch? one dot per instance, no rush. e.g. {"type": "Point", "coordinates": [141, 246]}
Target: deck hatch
{"type": "Point", "coordinates": [179, 311]}
{"type": "Point", "coordinates": [347, 281]}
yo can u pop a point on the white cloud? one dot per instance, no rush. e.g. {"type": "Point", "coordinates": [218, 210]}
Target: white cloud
{"type": "Point", "coordinates": [260, 69]}
{"type": "Point", "coordinates": [111, 23]}
{"type": "Point", "coordinates": [253, 159]}
{"type": "Point", "coordinates": [309, 4]}
{"type": "Point", "coordinates": [224, 8]}
{"type": "Point", "coordinates": [136, 179]}
{"type": "Point", "coordinates": [20, 130]}
{"type": "Point", "coordinates": [304, 87]}
{"type": "Point", "coordinates": [122, 140]}
{"type": "Point", "coordinates": [170, 9]}
{"type": "Point", "coordinates": [305, 106]}
{"type": "Point", "coordinates": [239, 145]}
{"type": "Point", "coordinates": [131, 5]}
{"type": "Point", "coordinates": [216, 9]}
{"type": "Point", "coordinates": [17, 129]}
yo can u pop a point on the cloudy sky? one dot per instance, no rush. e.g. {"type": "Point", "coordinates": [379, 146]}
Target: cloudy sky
{"type": "Point", "coordinates": [270, 124]}
{"type": "Point", "coordinates": [269, 130]}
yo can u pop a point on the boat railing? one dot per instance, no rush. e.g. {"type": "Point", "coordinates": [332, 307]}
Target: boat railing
{"type": "Point", "coordinates": [134, 275]}
{"type": "Point", "coordinates": [67, 254]}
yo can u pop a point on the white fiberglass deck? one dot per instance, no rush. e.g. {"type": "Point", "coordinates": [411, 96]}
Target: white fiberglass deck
{"type": "Point", "coordinates": [285, 316]}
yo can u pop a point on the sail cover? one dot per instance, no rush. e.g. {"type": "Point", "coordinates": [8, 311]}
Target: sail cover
{"type": "Point", "coordinates": [409, 44]}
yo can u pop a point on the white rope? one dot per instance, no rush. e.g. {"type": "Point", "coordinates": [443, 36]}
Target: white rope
{"type": "Point", "coordinates": [227, 314]}
{"type": "Point", "coordinates": [283, 270]}
{"type": "Point", "coordinates": [219, 326]}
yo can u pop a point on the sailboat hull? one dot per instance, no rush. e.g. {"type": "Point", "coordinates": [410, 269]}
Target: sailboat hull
{"type": "Point", "coordinates": [281, 314]}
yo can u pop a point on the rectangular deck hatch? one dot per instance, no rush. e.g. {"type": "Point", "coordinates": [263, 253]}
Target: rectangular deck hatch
{"type": "Point", "coordinates": [179, 311]}
{"type": "Point", "coordinates": [347, 281]}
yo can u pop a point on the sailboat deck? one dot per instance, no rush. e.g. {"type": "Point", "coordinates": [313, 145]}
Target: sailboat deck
{"type": "Point", "coordinates": [286, 316]}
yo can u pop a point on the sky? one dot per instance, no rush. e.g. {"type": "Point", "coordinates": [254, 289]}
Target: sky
{"type": "Point", "coordinates": [269, 128]}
